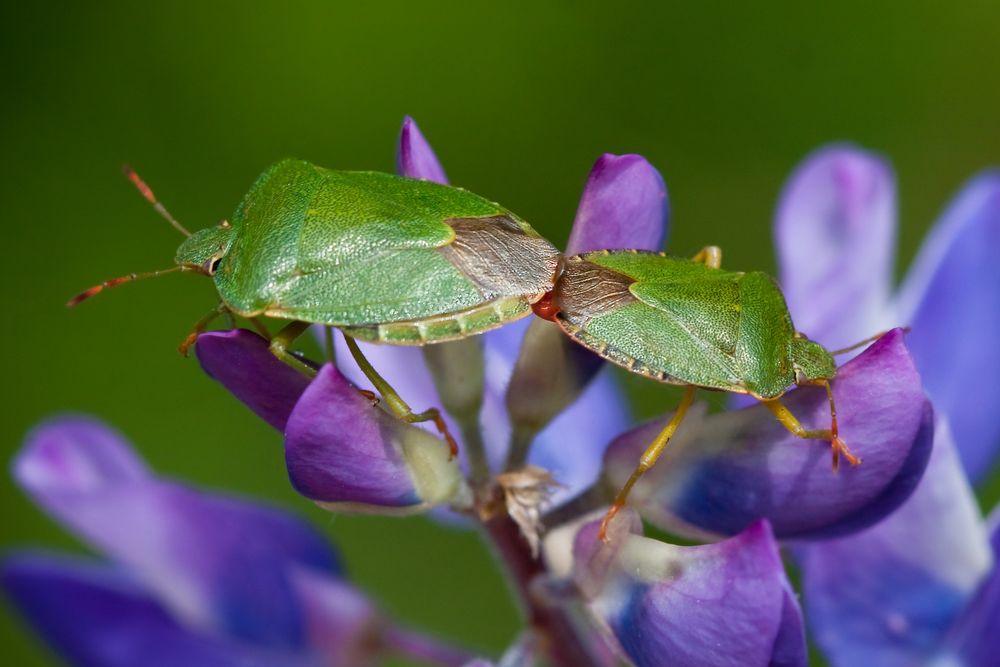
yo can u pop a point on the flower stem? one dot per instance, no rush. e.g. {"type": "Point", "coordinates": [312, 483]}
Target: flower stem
{"type": "Point", "coordinates": [475, 452]}
{"type": "Point", "coordinates": [560, 637]}
{"type": "Point", "coordinates": [417, 645]}
{"type": "Point", "coordinates": [597, 495]}
{"type": "Point", "coordinates": [521, 438]}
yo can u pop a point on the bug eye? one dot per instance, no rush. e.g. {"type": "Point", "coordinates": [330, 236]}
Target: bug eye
{"type": "Point", "coordinates": [211, 266]}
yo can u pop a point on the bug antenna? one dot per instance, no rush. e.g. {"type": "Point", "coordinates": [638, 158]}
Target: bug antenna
{"type": "Point", "coordinates": [151, 198]}
{"type": "Point", "coordinates": [114, 282]}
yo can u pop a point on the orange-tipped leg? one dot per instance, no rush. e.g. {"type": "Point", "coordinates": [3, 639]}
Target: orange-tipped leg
{"type": "Point", "coordinates": [370, 395]}
{"type": "Point", "coordinates": [837, 445]}
{"type": "Point", "coordinates": [434, 415]}
{"type": "Point", "coordinates": [200, 327]}
{"type": "Point", "coordinates": [649, 458]}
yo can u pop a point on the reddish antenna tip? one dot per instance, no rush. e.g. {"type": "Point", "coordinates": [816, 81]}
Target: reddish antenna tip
{"type": "Point", "coordinates": [83, 296]}
{"type": "Point", "coordinates": [114, 282]}
{"type": "Point", "coordinates": [148, 195]}
{"type": "Point", "coordinates": [139, 184]}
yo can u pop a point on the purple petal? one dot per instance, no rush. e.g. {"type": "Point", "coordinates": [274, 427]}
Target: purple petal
{"type": "Point", "coordinates": [550, 374]}
{"type": "Point", "coordinates": [835, 233]}
{"type": "Point", "coordinates": [586, 426]}
{"type": "Point", "coordinates": [886, 596]}
{"type": "Point", "coordinates": [241, 361]}
{"type": "Point", "coordinates": [572, 446]}
{"type": "Point", "coordinates": [723, 604]}
{"type": "Point", "coordinates": [974, 637]}
{"type": "Point", "coordinates": [93, 615]}
{"type": "Point", "coordinates": [790, 645]}
{"type": "Point", "coordinates": [341, 450]}
{"type": "Point", "coordinates": [217, 562]}
{"type": "Point", "coordinates": [728, 470]}
{"type": "Point", "coordinates": [340, 621]}
{"type": "Point", "coordinates": [951, 299]}
{"type": "Point", "coordinates": [415, 157]}
{"type": "Point", "coordinates": [624, 205]}
{"type": "Point", "coordinates": [97, 456]}
{"type": "Point", "coordinates": [405, 369]}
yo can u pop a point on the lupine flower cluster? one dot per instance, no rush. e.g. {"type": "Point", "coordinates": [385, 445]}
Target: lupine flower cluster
{"type": "Point", "coordinates": [897, 565]}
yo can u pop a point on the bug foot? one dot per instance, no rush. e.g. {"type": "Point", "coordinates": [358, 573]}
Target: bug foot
{"type": "Point", "coordinates": [445, 433]}
{"type": "Point", "coordinates": [371, 396]}
{"type": "Point", "coordinates": [187, 343]}
{"type": "Point", "coordinates": [603, 532]}
{"type": "Point", "coordinates": [840, 448]}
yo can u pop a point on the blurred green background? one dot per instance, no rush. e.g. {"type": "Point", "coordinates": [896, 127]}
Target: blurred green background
{"type": "Point", "coordinates": [518, 100]}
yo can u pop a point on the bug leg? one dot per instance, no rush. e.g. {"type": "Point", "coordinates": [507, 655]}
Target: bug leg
{"type": "Point", "coordinates": [331, 349]}
{"type": "Point", "coordinates": [200, 327]}
{"type": "Point", "coordinates": [284, 339]}
{"type": "Point", "coordinates": [789, 421]}
{"type": "Point", "coordinates": [710, 256]}
{"type": "Point", "coordinates": [648, 459]}
{"type": "Point", "coordinates": [395, 403]}
{"type": "Point", "coordinates": [259, 326]}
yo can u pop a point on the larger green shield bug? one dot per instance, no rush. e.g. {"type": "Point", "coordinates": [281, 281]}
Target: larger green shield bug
{"type": "Point", "coordinates": [384, 258]}
{"type": "Point", "coordinates": [690, 323]}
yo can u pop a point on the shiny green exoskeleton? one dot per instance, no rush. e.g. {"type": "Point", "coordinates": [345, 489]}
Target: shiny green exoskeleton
{"type": "Point", "coordinates": [384, 258]}
{"type": "Point", "coordinates": [688, 322]}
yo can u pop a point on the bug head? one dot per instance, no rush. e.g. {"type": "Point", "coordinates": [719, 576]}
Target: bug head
{"type": "Point", "coordinates": [201, 252]}
{"type": "Point", "coordinates": [811, 360]}
{"type": "Point", "coordinates": [204, 250]}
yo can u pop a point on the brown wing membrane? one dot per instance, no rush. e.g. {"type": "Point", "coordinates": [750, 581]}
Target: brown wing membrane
{"type": "Point", "coordinates": [500, 258]}
{"type": "Point", "coordinates": [586, 290]}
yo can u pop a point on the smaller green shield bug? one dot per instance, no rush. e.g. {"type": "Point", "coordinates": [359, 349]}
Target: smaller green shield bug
{"type": "Point", "coordinates": [690, 323]}
{"type": "Point", "coordinates": [384, 258]}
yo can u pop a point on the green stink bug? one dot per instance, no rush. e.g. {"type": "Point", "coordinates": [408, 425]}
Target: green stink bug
{"type": "Point", "coordinates": [688, 322]}
{"type": "Point", "coordinates": [383, 258]}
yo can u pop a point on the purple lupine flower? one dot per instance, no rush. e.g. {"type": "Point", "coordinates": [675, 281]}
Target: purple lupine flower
{"type": "Point", "coordinates": [724, 471]}
{"type": "Point", "coordinates": [739, 469]}
{"type": "Point", "coordinates": [195, 578]}
{"type": "Point", "coordinates": [341, 449]}
{"type": "Point", "coordinates": [661, 600]}
{"type": "Point", "coordinates": [192, 578]}
{"type": "Point", "coordinates": [922, 586]}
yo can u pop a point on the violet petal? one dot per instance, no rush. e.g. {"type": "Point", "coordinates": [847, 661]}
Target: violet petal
{"type": "Point", "coordinates": [790, 645]}
{"type": "Point", "coordinates": [951, 299]}
{"type": "Point", "coordinates": [975, 635]}
{"type": "Point", "coordinates": [415, 158]}
{"type": "Point", "coordinates": [340, 621]}
{"type": "Point", "coordinates": [835, 232]}
{"type": "Point", "coordinates": [405, 369]}
{"type": "Point", "coordinates": [728, 470]}
{"type": "Point", "coordinates": [94, 615]}
{"type": "Point", "coordinates": [216, 562]}
{"type": "Point", "coordinates": [241, 361]}
{"type": "Point", "coordinates": [624, 205]}
{"type": "Point", "coordinates": [344, 452]}
{"type": "Point", "coordinates": [887, 595]}
{"type": "Point", "coordinates": [571, 445]}
{"type": "Point", "coordinates": [550, 374]}
{"type": "Point", "coordinates": [723, 604]}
